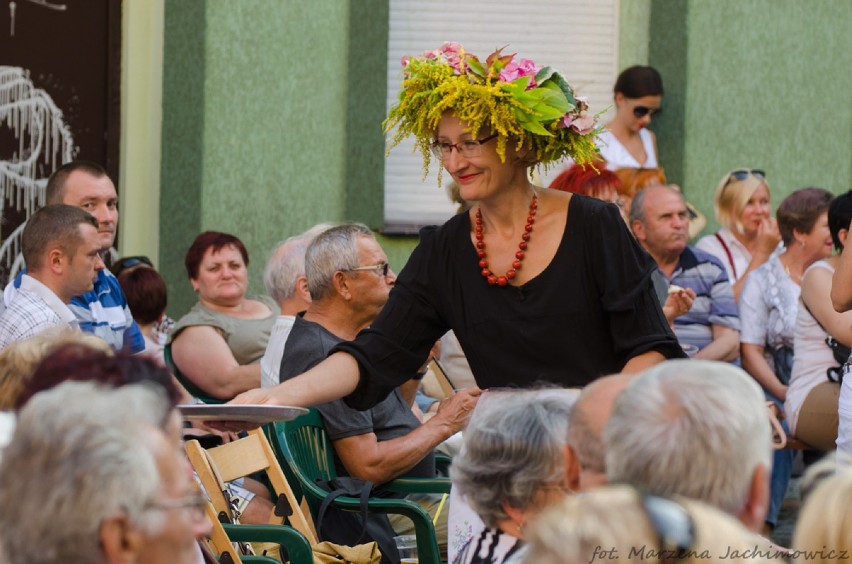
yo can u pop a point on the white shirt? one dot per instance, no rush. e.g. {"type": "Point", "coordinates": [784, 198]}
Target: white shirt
{"type": "Point", "coordinates": [34, 309]}
{"type": "Point", "coordinates": [270, 363]}
{"type": "Point", "coordinates": [617, 156]}
{"type": "Point", "coordinates": [739, 253]}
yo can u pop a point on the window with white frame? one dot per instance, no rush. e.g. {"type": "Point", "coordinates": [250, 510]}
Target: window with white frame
{"type": "Point", "coordinates": [577, 37]}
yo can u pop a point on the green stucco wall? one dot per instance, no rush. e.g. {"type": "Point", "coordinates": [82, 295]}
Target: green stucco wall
{"type": "Point", "coordinates": [272, 123]}
{"type": "Point", "coordinates": [272, 110]}
{"type": "Point", "coordinates": [761, 84]}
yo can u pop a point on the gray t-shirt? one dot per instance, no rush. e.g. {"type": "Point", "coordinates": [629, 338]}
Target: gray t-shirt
{"type": "Point", "coordinates": [308, 344]}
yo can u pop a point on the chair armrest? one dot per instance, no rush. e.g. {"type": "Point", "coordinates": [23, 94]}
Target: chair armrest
{"type": "Point", "coordinates": [427, 543]}
{"type": "Point", "coordinates": [298, 547]}
{"type": "Point", "coordinates": [417, 485]}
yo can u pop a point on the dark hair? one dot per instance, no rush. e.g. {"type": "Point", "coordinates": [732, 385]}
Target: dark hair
{"type": "Point", "coordinates": [210, 240]}
{"type": "Point", "coordinates": [800, 210]}
{"type": "Point", "coordinates": [82, 363]}
{"type": "Point", "coordinates": [583, 179]}
{"type": "Point", "coordinates": [55, 226]}
{"type": "Point", "coordinates": [839, 217]}
{"type": "Point", "coordinates": [56, 182]}
{"type": "Point", "coordinates": [146, 293]}
{"type": "Point", "coordinates": [639, 81]}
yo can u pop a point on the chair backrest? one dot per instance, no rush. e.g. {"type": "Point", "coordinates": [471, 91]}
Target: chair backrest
{"type": "Point", "coordinates": [241, 458]}
{"type": "Point", "coordinates": [188, 384]}
{"type": "Point", "coordinates": [306, 449]}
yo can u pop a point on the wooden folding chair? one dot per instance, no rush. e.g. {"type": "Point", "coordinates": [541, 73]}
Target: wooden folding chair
{"type": "Point", "coordinates": [241, 458]}
{"type": "Point", "coordinates": [223, 536]}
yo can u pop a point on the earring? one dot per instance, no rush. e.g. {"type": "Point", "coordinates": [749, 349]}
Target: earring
{"type": "Point", "coordinates": [803, 244]}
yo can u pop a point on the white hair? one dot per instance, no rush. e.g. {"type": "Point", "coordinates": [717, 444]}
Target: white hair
{"type": "Point", "coordinates": [693, 428]}
{"type": "Point", "coordinates": [333, 250]}
{"type": "Point", "coordinates": [513, 448]}
{"type": "Point", "coordinates": [287, 262]}
{"type": "Point", "coordinates": [75, 459]}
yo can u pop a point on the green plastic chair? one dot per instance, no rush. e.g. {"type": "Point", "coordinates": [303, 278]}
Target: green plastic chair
{"type": "Point", "coordinates": [298, 547]}
{"type": "Point", "coordinates": [188, 384]}
{"type": "Point", "coordinates": [303, 447]}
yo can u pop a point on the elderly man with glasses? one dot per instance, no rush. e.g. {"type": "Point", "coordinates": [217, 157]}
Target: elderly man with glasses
{"type": "Point", "coordinates": [349, 281]}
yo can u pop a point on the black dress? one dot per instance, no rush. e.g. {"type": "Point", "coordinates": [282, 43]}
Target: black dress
{"type": "Point", "coordinates": [591, 310]}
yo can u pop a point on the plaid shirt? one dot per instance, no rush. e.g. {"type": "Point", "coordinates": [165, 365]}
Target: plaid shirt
{"type": "Point", "coordinates": [34, 309]}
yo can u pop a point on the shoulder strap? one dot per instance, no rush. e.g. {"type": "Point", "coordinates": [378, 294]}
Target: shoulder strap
{"type": "Point", "coordinates": [364, 496]}
{"type": "Point", "coordinates": [727, 252]}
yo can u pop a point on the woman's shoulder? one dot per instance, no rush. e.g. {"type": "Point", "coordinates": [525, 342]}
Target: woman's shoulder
{"type": "Point", "coordinates": [197, 316]}
{"type": "Point", "coordinates": [267, 301]}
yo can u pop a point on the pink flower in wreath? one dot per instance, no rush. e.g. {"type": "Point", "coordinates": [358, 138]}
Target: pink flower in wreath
{"type": "Point", "coordinates": [514, 71]}
{"type": "Point", "coordinates": [583, 124]}
{"type": "Point", "coordinates": [449, 52]}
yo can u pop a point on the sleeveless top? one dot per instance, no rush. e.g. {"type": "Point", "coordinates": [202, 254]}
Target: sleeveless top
{"type": "Point", "coordinates": [617, 156]}
{"type": "Point", "coordinates": [246, 338]}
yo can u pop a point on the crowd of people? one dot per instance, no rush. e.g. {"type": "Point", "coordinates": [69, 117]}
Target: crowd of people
{"type": "Point", "coordinates": [593, 347]}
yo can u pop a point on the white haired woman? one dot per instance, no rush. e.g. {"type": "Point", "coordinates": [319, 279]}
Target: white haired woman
{"type": "Point", "coordinates": [512, 465]}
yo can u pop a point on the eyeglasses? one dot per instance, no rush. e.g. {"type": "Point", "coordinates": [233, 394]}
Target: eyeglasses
{"type": "Point", "coordinates": [196, 503]}
{"type": "Point", "coordinates": [381, 267]}
{"type": "Point", "coordinates": [742, 174]}
{"type": "Point", "coordinates": [467, 149]}
{"type": "Point", "coordinates": [641, 111]}
{"type": "Point", "coordinates": [672, 524]}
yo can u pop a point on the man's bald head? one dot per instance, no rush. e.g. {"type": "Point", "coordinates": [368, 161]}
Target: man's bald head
{"type": "Point", "coordinates": [586, 425]}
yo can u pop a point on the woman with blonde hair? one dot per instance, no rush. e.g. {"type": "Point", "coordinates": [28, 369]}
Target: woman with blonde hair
{"type": "Point", "coordinates": [620, 524]}
{"type": "Point", "coordinates": [824, 529]}
{"type": "Point", "coordinates": [749, 235]}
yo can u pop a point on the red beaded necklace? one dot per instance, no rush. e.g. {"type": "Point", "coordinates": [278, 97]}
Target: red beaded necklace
{"type": "Point", "coordinates": [519, 256]}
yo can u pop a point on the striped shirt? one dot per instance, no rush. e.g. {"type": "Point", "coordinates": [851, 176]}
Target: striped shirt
{"type": "Point", "coordinates": [102, 311]}
{"type": "Point", "coordinates": [34, 309]}
{"type": "Point", "coordinates": [714, 297]}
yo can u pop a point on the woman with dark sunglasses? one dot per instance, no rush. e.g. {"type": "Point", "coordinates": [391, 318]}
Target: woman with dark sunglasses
{"type": "Point", "coordinates": [626, 142]}
{"type": "Point", "coordinates": [749, 235]}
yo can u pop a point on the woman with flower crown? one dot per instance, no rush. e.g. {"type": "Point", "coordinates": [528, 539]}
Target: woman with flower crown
{"type": "Point", "coordinates": [538, 285]}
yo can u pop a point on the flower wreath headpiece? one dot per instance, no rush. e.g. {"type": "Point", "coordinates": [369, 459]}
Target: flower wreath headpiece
{"type": "Point", "coordinates": [514, 99]}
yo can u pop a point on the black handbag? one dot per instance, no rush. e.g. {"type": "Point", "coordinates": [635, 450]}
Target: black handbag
{"type": "Point", "coordinates": [354, 527]}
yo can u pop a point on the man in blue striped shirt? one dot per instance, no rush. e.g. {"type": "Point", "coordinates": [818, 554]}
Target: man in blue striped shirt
{"type": "Point", "coordinates": [659, 219]}
{"type": "Point", "coordinates": [102, 311]}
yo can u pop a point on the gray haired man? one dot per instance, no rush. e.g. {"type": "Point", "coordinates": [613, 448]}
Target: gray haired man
{"type": "Point", "coordinates": [698, 429]}
{"type": "Point", "coordinates": [285, 281]}
{"type": "Point", "coordinates": [93, 479]}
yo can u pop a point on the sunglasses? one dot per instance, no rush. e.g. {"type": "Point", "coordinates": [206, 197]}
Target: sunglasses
{"type": "Point", "coordinates": [129, 262]}
{"type": "Point", "coordinates": [742, 174]}
{"type": "Point", "coordinates": [641, 111]}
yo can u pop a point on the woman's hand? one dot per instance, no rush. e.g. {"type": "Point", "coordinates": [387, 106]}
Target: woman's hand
{"type": "Point", "coordinates": [768, 237]}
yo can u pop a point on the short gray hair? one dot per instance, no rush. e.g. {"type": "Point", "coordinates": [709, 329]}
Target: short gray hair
{"type": "Point", "coordinates": [693, 428]}
{"type": "Point", "coordinates": [513, 447]}
{"type": "Point", "coordinates": [74, 460]}
{"type": "Point", "coordinates": [287, 263]}
{"type": "Point", "coordinates": [333, 250]}
{"type": "Point", "coordinates": [637, 206]}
